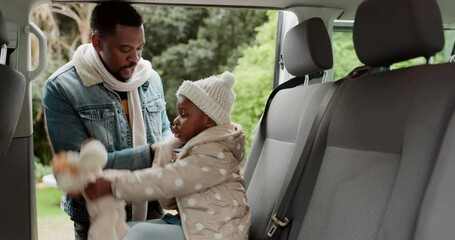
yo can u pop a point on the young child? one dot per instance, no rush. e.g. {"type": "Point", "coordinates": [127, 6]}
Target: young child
{"type": "Point", "coordinates": [203, 183]}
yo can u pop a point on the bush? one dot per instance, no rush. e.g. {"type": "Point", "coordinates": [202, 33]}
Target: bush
{"type": "Point", "coordinates": [254, 72]}
{"type": "Point", "coordinates": [41, 170]}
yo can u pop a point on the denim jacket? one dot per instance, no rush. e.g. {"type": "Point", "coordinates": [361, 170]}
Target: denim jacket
{"type": "Point", "coordinates": [75, 112]}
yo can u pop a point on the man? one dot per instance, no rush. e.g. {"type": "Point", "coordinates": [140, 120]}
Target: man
{"type": "Point", "coordinates": [108, 92]}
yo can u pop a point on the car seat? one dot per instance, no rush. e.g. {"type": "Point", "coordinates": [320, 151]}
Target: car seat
{"type": "Point", "coordinates": [12, 92]}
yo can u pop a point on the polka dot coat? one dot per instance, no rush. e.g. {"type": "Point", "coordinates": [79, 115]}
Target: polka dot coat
{"type": "Point", "coordinates": [205, 181]}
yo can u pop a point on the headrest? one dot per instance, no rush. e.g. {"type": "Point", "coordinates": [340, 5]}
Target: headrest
{"type": "Point", "coordinates": [390, 31]}
{"type": "Point", "coordinates": [307, 48]}
{"type": "Point", "coordinates": [3, 31]}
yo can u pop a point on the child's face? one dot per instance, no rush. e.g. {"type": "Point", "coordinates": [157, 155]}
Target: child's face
{"type": "Point", "coordinates": [190, 120]}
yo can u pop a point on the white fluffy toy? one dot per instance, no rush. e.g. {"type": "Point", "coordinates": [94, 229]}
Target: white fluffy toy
{"type": "Point", "coordinates": [73, 171]}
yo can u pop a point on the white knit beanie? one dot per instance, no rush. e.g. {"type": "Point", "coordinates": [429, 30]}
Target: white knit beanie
{"type": "Point", "coordinates": [213, 95]}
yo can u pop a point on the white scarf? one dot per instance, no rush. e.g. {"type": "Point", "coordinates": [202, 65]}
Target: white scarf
{"type": "Point", "coordinates": [92, 71]}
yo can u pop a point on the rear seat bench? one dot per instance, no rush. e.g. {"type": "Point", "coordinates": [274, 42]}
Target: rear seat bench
{"type": "Point", "coordinates": [386, 128]}
{"type": "Point", "coordinates": [383, 172]}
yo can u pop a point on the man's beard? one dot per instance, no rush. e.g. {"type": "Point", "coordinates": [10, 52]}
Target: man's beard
{"type": "Point", "coordinates": [118, 76]}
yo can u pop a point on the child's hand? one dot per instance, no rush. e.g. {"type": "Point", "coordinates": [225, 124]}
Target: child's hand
{"type": "Point", "coordinates": [98, 189]}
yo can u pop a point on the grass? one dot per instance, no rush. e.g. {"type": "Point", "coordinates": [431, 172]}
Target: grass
{"type": "Point", "coordinates": [53, 222]}
{"type": "Point", "coordinates": [48, 202]}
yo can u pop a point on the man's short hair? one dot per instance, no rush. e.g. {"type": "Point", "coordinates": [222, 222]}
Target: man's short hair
{"type": "Point", "coordinates": [105, 17]}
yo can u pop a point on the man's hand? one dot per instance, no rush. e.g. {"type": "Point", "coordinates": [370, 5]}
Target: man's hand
{"type": "Point", "coordinates": [75, 195]}
{"type": "Point", "coordinates": [98, 189]}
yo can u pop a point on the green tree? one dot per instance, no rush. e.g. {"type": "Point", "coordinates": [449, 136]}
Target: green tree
{"type": "Point", "coordinates": [190, 61]}
{"type": "Point", "coordinates": [168, 26]}
{"type": "Point", "coordinates": [199, 42]}
{"type": "Point", "coordinates": [231, 30]}
{"type": "Point", "coordinates": [254, 74]}
{"type": "Point", "coordinates": [345, 58]}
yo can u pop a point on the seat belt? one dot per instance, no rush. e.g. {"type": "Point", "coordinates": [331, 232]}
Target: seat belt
{"type": "Point", "coordinates": [294, 82]}
{"type": "Point", "coordinates": [279, 222]}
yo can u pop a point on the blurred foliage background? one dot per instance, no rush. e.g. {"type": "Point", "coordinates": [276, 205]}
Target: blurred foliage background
{"type": "Point", "coordinates": [182, 43]}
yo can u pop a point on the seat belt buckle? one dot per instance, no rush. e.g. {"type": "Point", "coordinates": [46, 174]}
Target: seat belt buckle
{"type": "Point", "coordinates": [276, 223]}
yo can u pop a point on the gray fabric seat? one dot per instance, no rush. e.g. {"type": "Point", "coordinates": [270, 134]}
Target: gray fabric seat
{"type": "Point", "coordinates": [437, 213]}
{"type": "Point", "coordinates": [12, 92]}
{"type": "Point", "coordinates": [378, 178]}
{"type": "Point", "coordinates": [276, 148]}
